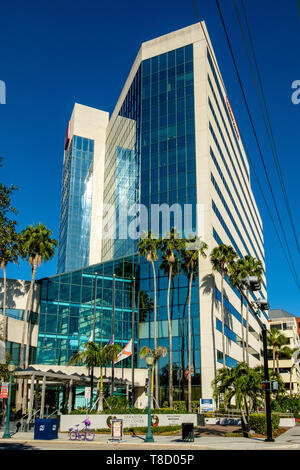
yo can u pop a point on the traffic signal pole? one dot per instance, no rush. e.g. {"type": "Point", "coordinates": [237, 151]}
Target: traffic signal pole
{"type": "Point", "coordinates": [266, 369]}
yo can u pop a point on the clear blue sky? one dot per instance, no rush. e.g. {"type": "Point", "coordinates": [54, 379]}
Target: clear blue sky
{"type": "Point", "coordinates": [55, 53]}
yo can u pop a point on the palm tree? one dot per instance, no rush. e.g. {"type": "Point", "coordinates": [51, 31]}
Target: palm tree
{"type": "Point", "coordinates": [221, 258]}
{"type": "Point", "coordinates": [92, 356]}
{"type": "Point", "coordinates": [145, 306]}
{"type": "Point", "coordinates": [156, 353]}
{"type": "Point", "coordinates": [170, 246]}
{"type": "Point", "coordinates": [148, 247]}
{"type": "Point", "coordinates": [194, 249]}
{"type": "Point", "coordinates": [277, 343]}
{"type": "Point", "coordinates": [238, 272]}
{"type": "Point", "coordinates": [252, 267]}
{"type": "Point", "coordinates": [37, 246]}
{"type": "Point", "coordinates": [241, 383]}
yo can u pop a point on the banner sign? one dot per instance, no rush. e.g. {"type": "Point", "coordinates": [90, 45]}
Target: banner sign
{"type": "Point", "coordinates": [4, 390]}
{"type": "Point", "coordinates": [206, 404]}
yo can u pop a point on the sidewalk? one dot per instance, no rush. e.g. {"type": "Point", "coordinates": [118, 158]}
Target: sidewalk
{"type": "Point", "coordinates": [289, 440]}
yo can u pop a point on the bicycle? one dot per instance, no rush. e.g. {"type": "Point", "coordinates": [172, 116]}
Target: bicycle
{"type": "Point", "coordinates": [85, 434]}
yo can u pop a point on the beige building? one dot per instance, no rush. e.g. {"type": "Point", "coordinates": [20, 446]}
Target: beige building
{"type": "Point", "coordinates": [286, 323]}
{"type": "Point", "coordinates": [17, 291]}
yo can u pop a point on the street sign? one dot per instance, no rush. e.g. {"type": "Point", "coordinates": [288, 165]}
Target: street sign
{"type": "Point", "coordinates": [116, 429]}
{"type": "Point", "coordinates": [206, 404]}
{"type": "Point", "coordinates": [4, 390]}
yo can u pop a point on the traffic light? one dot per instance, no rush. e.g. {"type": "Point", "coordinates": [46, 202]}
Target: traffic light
{"type": "Point", "coordinates": [251, 283]}
{"type": "Point", "coordinates": [266, 386]}
{"type": "Point", "coordinates": [262, 304]}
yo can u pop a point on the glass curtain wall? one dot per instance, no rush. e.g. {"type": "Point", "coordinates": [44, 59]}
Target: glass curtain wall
{"type": "Point", "coordinates": [67, 310]}
{"type": "Point", "coordinates": [76, 201]}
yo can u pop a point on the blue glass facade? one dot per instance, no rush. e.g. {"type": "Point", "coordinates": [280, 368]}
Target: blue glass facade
{"type": "Point", "coordinates": [67, 310]}
{"type": "Point", "coordinates": [76, 201]}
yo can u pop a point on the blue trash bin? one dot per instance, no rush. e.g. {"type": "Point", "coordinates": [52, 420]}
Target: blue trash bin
{"type": "Point", "coordinates": [46, 429]}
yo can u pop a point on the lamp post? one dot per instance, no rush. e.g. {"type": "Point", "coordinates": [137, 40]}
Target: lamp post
{"type": "Point", "coordinates": [149, 362]}
{"type": "Point", "coordinates": [11, 368]}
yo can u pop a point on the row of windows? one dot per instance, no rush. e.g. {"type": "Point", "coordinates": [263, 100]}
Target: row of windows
{"type": "Point", "coordinates": [229, 120]}
{"type": "Point", "coordinates": [167, 60]}
{"type": "Point", "coordinates": [226, 109]}
{"type": "Point", "coordinates": [229, 173]}
{"type": "Point", "coordinates": [231, 216]}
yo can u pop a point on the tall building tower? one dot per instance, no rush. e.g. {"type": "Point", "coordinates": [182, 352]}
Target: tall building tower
{"type": "Point", "coordinates": [82, 189]}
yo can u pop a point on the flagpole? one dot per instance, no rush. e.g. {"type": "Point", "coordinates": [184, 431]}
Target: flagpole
{"type": "Point", "coordinates": [133, 338]}
{"type": "Point", "coordinates": [113, 334]}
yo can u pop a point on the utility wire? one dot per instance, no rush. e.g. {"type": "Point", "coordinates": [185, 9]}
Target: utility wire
{"type": "Point", "coordinates": [291, 266]}
{"type": "Point", "coordinates": [266, 116]}
{"type": "Point", "coordinates": [254, 131]}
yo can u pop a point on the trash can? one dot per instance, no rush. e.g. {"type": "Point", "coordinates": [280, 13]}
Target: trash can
{"type": "Point", "coordinates": [188, 432]}
{"type": "Point", "coordinates": [46, 429]}
{"type": "Point", "coordinates": [200, 419]}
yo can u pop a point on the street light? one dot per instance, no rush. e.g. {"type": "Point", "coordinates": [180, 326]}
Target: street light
{"type": "Point", "coordinates": [149, 362]}
{"type": "Point", "coordinates": [11, 368]}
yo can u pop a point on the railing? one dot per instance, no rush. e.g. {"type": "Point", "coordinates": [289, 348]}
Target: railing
{"type": "Point", "coordinates": [25, 425]}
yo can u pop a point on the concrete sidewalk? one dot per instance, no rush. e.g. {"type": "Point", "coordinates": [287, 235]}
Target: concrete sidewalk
{"type": "Point", "coordinates": [289, 440]}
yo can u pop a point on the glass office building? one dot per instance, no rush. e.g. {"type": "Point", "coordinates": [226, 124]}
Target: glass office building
{"type": "Point", "coordinates": [171, 141]}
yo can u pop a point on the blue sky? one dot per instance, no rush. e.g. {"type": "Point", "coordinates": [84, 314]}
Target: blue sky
{"type": "Point", "coordinates": [56, 53]}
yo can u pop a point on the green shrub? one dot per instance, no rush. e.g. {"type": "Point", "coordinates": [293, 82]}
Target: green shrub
{"type": "Point", "coordinates": [180, 406]}
{"type": "Point", "coordinates": [116, 402]}
{"type": "Point", "coordinates": [258, 423]}
{"type": "Point", "coordinates": [144, 429]}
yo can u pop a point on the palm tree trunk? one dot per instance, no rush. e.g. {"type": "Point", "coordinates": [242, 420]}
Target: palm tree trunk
{"type": "Point", "coordinates": [274, 359]}
{"type": "Point", "coordinates": [26, 328]}
{"type": "Point", "coordinates": [155, 334]}
{"type": "Point", "coordinates": [182, 347]}
{"type": "Point", "coordinates": [247, 329]}
{"type": "Point", "coordinates": [223, 321]}
{"type": "Point", "coordinates": [277, 362]}
{"type": "Point", "coordinates": [170, 341]}
{"type": "Point", "coordinates": [243, 335]}
{"type": "Point", "coordinates": [190, 346]}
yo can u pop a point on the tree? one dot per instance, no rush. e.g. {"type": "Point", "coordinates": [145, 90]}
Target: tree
{"type": "Point", "coordinates": [193, 250]}
{"type": "Point", "coordinates": [241, 383]}
{"type": "Point", "coordinates": [37, 246]}
{"type": "Point", "coordinates": [171, 246]}
{"type": "Point", "coordinates": [277, 343]}
{"type": "Point", "coordinates": [221, 258]}
{"type": "Point", "coordinates": [252, 267]}
{"type": "Point", "coordinates": [156, 353]}
{"type": "Point", "coordinates": [145, 306]}
{"type": "Point", "coordinates": [95, 356]}
{"type": "Point", "coordinates": [148, 247]}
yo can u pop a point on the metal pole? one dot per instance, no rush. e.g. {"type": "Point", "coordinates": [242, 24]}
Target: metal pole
{"type": "Point", "coordinates": [113, 334]}
{"type": "Point", "coordinates": [149, 436]}
{"type": "Point", "coordinates": [266, 370]}
{"type": "Point", "coordinates": [133, 339]}
{"type": "Point", "coordinates": [6, 434]}
{"type": "Point", "coordinates": [93, 338]}
{"type": "Point", "coordinates": [267, 392]}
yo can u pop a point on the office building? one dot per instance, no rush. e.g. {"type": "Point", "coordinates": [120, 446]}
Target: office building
{"type": "Point", "coordinates": [172, 141]}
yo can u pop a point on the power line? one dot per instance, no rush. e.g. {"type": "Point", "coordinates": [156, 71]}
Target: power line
{"type": "Point", "coordinates": [291, 265]}
{"type": "Point", "coordinates": [266, 117]}
{"type": "Point", "coordinates": [254, 131]}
